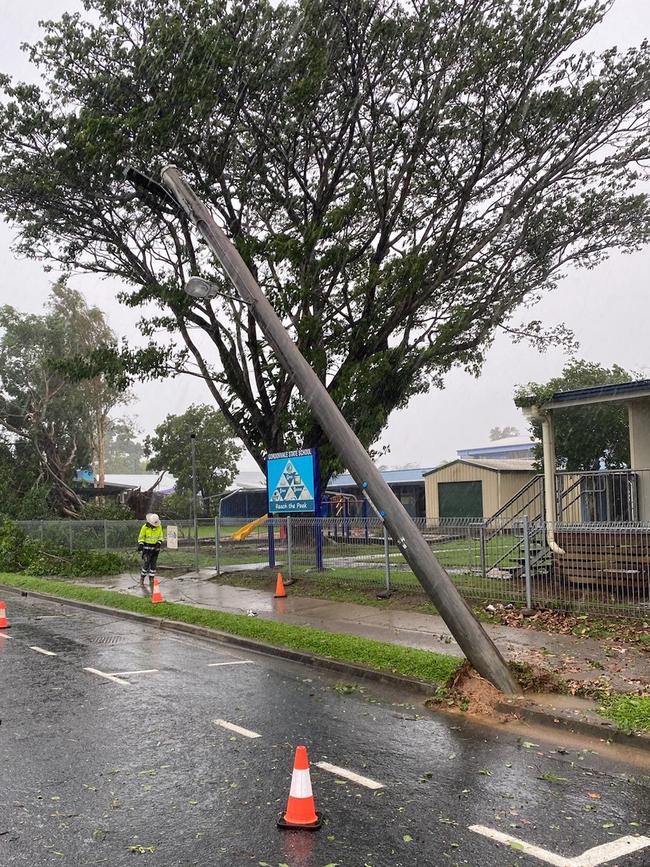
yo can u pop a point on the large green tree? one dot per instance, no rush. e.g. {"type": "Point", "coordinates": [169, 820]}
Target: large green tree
{"type": "Point", "coordinates": [61, 422]}
{"type": "Point", "coordinates": [25, 492]}
{"type": "Point", "coordinates": [401, 178]}
{"type": "Point", "coordinates": [124, 451]}
{"type": "Point", "coordinates": [586, 437]}
{"type": "Point", "coordinates": [217, 453]}
{"type": "Point", "coordinates": [86, 328]}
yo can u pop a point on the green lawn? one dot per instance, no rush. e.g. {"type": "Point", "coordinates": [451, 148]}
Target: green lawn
{"type": "Point", "coordinates": [630, 712]}
{"type": "Point", "coordinates": [362, 586]}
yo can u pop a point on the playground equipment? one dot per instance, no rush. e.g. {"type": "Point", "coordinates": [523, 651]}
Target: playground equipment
{"type": "Point", "coordinates": [247, 529]}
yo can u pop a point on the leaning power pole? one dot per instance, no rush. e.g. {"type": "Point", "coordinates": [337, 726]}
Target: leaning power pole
{"type": "Point", "coordinates": [470, 635]}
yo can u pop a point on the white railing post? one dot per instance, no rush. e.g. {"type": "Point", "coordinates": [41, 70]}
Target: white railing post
{"type": "Point", "coordinates": [527, 570]}
{"type": "Point", "coordinates": [387, 559]}
{"type": "Point", "coordinates": [289, 548]}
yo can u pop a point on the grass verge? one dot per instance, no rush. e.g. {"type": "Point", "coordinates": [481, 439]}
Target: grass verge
{"type": "Point", "coordinates": [630, 712]}
{"type": "Point", "coordinates": [434, 668]}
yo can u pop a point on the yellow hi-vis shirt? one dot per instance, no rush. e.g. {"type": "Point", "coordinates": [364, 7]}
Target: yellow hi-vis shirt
{"type": "Point", "coordinates": [150, 535]}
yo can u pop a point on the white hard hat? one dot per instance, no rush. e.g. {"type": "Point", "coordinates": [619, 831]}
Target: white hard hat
{"type": "Point", "coordinates": [153, 519]}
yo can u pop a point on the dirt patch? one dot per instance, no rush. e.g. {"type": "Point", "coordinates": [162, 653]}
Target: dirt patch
{"type": "Point", "coordinates": [470, 693]}
{"type": "Point", "coordinates": [480, 696]}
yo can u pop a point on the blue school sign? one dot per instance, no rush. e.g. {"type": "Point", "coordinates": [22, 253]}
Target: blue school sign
{"type": "Point", "coordinates": [291, 481]}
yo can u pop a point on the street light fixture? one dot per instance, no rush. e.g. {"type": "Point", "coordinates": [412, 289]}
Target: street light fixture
{"type": "Point", "coordinates": [201, 289]}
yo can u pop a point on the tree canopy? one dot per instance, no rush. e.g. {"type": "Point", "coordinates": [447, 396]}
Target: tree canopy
{"type": "Point", "coordinates": [401, 178]}
{"type": "Point", "coordinates": [124, 451]}
{"type": "Point", "coordinates": [586, 437]}
{"type": "Point", "coordinates": [217, 453]}
{"type": "Point", "coordinates": [59, 422]}
{"type": "Point", "coordinates": [501, 433]}
{"type": "Point", "coordinates": [24, 493]}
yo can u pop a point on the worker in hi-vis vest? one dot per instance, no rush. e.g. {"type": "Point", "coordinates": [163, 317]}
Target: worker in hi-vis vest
{"type": "Point", "coordinates": [149, 545]}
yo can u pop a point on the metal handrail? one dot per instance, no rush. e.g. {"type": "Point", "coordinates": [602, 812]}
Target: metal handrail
{"type": "Point", "coordinates": [536, 531]}
{"type": "Point", "coordinates": [628, 476]}
{"type": "Point", "coordinates": [514, 498]}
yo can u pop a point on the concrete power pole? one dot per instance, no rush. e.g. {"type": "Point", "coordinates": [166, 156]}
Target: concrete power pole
{"type": "Point", "coordinates": [467, 631]}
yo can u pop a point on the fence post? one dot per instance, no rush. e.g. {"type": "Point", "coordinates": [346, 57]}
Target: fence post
{"type": "Point", "coordinates": [318, 530]}
{"type": "Point", "coordinates": [70, 535]}
{"type": "Point", "coordinates": [105, 536]}
{"type": "Point", "coordinates": [387, 559]}
{"type": "Point", "coordinates": [289, 552]}
{"type": "Point", "coordinates": [42, 533]}
{"type": "Point", "coordinates": [217, 541]}
{"type": "Point", "coordinates": [481, 542]}
{"type": "Point", "coordinates": [271, 538]}
{"type": "Point", "coordinates": [527, 571]}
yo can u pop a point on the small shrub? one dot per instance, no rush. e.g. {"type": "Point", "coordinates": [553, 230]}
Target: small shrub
{"type": "Point", "coordinates": [79, 564]}
{"type": "Point", "coordinates": [20, 553]}
{"type": "Point", "coordinates": [108, 511]}
{"type": "Point", "coordinates": [15, 548]}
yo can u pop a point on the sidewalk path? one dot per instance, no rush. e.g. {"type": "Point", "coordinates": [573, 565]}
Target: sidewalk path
{"type": "Point", "coordinates": [585, 660]}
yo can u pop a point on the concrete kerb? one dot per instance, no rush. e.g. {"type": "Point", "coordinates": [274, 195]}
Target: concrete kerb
{"type": "Point", "coordinates": [359, 671]}
{"type": "Point", "coordinates": [525, 709]}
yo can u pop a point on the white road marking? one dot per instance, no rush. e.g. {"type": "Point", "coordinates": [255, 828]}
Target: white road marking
{"type": "Point", "coordinates": [349, 775]}
{"type": "Point", "coordinates": [611, 851]}
{"type": "Point", "coordinates": [247, 733]}
{"type": "Point", "coordinates": [235, 662]}
{"type": "Point", "coordinates": [42, 650]}
{"type": "Point", "coordinates": [108, 676]}
{"type": "Point", "coordinates": [591, 858]}
{"type": "Point", "coordinates": [141, 671]}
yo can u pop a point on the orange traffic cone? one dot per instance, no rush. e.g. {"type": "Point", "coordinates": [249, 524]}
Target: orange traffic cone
{"type": "Point", "coordinates": [301, 809]}
{"type": "Point", "coordinates": [280, 592]}
{"type": "Point", "coordinates": [4, 623]}
{"type": "Point", "coordinates": [156, 595]}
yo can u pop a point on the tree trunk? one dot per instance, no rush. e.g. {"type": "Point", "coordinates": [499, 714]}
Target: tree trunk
{"type": "Point", "coordinates": [101, 449]}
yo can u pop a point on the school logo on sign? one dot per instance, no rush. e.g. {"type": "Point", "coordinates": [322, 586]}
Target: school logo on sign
{"type": "Point", "coordinates": [290, 481]}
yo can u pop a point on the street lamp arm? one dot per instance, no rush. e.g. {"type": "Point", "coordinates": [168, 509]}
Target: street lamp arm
{"type": "Point", "coordinates": [143, 184]}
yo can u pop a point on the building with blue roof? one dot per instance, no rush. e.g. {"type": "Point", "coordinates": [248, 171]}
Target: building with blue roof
{"type": "Point", "coordinates": [407, 484]}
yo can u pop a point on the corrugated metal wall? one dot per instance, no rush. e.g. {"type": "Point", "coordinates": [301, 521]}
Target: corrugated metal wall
{"type": "Point", "coordinates": [498, 487]}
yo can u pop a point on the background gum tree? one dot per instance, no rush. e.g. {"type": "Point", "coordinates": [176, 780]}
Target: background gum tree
{"type": "Point", "coordinates": [401, 179]}
{"type": "Point", "coordinates": [59, 424]}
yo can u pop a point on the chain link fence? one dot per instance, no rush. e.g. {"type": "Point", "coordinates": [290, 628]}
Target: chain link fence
{"type": "Point", "coordinates": [121, 537]}
{"type": "Point", "coordinates": [604, 568]}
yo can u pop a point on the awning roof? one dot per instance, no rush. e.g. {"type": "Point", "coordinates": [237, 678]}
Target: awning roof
{"type": "Point", "coordinates": [513, 465]}
{"type": "Point", "coordinates": [622, 391]}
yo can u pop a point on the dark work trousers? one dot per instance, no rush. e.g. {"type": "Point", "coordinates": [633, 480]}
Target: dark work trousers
{"type": "Point", "coordinates": [149, 560]}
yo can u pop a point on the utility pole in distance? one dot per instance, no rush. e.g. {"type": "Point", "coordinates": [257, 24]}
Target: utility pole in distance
{"type": "Point", "coordinates": [468, 632]}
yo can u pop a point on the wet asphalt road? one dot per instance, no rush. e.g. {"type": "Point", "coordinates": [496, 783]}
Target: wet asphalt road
{"type": "Point", "coordinates": [93, 769]}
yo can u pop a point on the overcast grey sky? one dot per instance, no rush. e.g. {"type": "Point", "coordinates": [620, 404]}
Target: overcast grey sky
{"type": "Point", "coordinates": [608, 308]}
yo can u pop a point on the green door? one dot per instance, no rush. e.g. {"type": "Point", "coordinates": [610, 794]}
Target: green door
{"type": "Point", "coordinates": [460, 499]}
